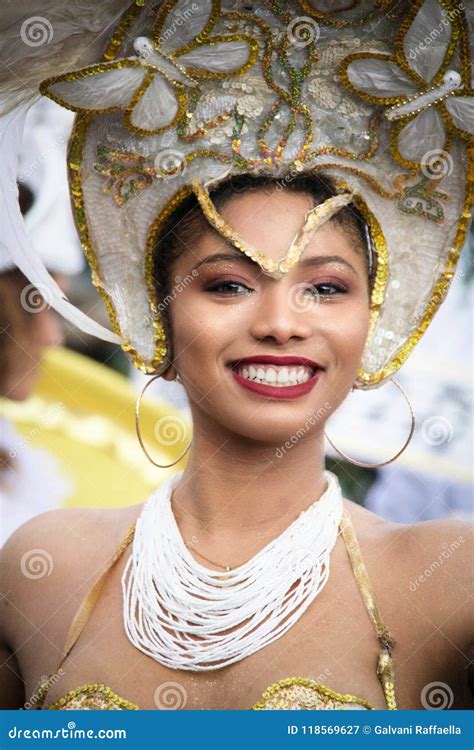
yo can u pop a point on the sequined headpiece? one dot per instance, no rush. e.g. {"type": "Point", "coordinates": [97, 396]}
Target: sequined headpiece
{"type": "Point", "coordinates": [375, 95]}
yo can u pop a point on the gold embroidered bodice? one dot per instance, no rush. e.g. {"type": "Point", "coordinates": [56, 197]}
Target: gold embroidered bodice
{"type": "Point", "coordinates": [289, 693]}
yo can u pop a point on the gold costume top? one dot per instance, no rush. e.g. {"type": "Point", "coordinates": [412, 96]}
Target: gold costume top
{"type": "Point", "coordinates": [288, 693]}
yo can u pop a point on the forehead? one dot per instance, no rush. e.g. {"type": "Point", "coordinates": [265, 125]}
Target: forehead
{"type": "Point", "coordinates": [269, 220]}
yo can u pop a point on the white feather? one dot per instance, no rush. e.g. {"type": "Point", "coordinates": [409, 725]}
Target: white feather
{"type": "Point", "coordinates": [14, 242]}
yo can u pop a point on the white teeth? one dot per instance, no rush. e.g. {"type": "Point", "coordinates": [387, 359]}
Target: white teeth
{"type": "Point", "coordinates": [276, 376]}
{"type": "Point", "coordinates": [271, 376]}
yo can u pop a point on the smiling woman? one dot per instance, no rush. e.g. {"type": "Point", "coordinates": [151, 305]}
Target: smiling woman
{"type": "Point", "coordinates": [186, 223]}
{"type": "Point", "coordinates": [271, 241]}
{"type": "Point", "coordinates": [315, 318]}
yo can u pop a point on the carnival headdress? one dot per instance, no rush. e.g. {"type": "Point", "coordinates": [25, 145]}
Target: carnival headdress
{"type": "Point", "coordinates": [377, 96]}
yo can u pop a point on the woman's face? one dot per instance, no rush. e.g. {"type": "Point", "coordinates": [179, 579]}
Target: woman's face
{"type": "Point", "coordinates": [227, 309]}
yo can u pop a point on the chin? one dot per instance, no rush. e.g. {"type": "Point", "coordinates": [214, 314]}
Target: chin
{"type": "Point", "coordinates": [270, 422]}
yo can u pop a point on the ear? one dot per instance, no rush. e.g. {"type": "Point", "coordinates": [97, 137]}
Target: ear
{"type": "Point", "coordinates": [170, 374]}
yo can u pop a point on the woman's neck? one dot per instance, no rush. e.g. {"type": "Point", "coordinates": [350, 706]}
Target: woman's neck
{"type": "Point", "coordinates": [236, 495]}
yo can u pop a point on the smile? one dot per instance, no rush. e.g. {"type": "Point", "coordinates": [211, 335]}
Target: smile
{"type": "Point", "coordinates": [277, 377]}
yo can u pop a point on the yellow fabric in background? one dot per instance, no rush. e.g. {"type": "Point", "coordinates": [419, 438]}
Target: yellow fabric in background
{"type": "Point", "coordinates": [84, 414]}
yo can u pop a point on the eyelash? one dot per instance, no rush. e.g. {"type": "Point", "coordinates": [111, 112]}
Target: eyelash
{"type": "Point", "coordinates": [226, 283]}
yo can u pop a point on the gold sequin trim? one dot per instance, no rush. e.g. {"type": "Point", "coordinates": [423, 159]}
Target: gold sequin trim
{"type": "Point", "coordinates": [278, 689]}
{"type": "Point", "coordinates": [201, 37]}
{"type": "Point", "coordinates": [162, 349]}
{"type": "Point", "coordinates": [76, 146]}
{"type": "Point", "coordinates": [380, 247]}
{"type": "Point", "coordinates": [118, 37]}
{"type": "Point", "coordinates": [442, 285]}
{"type": "Point", "coordinates": [326, 20]}
{"type": "Point", "coordinates": [314, 218]}
{"type": "Point", "coordinates": [449, 123]}
{"type": "Point", "coordinates": [202, 73]}
{"type": "Point", "coordinates": [400, 36]}
{"type": "Point", "coordinates": [92, 70]}
{"type": "Point", "coordinates": [388, 100]}
{"type": "Point", "coordinates": [95, 694]}
{"type": "Point", "coordinates": [459, 33]}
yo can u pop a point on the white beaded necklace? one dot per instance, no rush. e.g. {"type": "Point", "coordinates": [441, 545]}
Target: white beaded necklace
{"type": "Point", "coordinates": [178, 612]}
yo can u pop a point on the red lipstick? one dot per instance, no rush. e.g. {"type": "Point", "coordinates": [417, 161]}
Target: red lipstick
{"type": "Point", "coordinates": [277, 392]}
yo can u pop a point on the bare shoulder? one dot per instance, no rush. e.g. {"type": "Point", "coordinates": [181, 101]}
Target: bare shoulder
{"type": "Point", "coordinates": [428, 550]}
{"type": "Point", "coordinates": [55, 555]}
{"type": "Point", "coordinates": [425, 567]}
{"type": "Point", "coordinates": [416, 543]}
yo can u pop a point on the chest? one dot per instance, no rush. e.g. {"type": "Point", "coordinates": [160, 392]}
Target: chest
{"type": "Point", "coordinates": [333, 644]}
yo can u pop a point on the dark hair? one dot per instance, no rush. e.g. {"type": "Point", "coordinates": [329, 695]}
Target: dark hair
{"type": "Point", "coordinates": [187, 222]}
{"type": "Point", "coordinates": [15, 319]}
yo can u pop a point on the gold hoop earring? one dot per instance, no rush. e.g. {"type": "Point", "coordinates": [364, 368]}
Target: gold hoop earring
{"type": "Point", "coordinates": [137, 427]}
{"type": "Point", "coordinates": [390, 460]}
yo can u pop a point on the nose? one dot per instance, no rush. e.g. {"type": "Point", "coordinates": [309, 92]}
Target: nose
{"type": "Point", "coordinates": [283, 312]}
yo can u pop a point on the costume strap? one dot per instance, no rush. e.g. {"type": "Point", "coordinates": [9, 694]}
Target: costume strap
{"type": "Point", "coordinates": [385, 668]}
{"type": "Point", "coordinates": [82, 615]}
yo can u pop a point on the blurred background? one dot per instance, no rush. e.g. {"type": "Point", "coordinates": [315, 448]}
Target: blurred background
{"type": "Point", "coordinates": [67, 400]}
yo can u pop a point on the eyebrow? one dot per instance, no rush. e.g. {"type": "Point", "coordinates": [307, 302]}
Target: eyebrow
{"type": "Point", "coordinates": [317, 260]}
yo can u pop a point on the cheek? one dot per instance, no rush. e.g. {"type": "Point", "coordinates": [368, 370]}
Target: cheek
{"type": "Point", "coordinates": [199, 328]}
{"type": "Point", "coordinates": [349, 334]}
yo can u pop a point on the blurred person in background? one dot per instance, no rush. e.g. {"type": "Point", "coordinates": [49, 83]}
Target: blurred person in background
{"type": "Point", "coordinates": [61, 443]}
{"type": "Point", "coordinates": [32, 479]}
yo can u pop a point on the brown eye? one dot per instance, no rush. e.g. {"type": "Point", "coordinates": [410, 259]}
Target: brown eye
{"type": "Point", "coordinates": [326, 289]}
{"type": "Point", "coordinates": [228, 287]}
